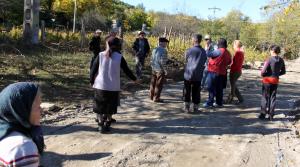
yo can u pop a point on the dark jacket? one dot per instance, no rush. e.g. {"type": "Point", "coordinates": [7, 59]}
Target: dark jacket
{"type": "Point", "coordinates": [94, 45]}
{"type": "Point", "coordinates": [273, 67]}
{"type": "Point", "coordinates": [136, 47]}
{"type": "Point", "coordinates": [195, 63]}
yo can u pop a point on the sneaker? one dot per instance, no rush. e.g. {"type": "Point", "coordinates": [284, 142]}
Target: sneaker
{"type": "Point", "coordinates": [158, 101]}
{"type": "Point", "coordinates": [217, 105]}
{"type": "Point", "coordinates": [205, 105]}
{"type": "Point", "coordinates": [186, 107]}
{"type": "Point", "coordinates": [113, 120]}
{"type": "Point", "coordinates": [262, 116]}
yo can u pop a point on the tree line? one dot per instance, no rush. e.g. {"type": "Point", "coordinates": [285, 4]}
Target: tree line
{"type": "Point", "coordinates": [281, 27]}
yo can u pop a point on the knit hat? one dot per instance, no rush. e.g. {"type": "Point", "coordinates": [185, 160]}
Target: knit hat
{"type": "Point", "coordinates": [163, 39]}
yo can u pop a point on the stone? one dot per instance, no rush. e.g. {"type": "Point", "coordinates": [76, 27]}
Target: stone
{"type": "Point", "coordinates": [50, 107]}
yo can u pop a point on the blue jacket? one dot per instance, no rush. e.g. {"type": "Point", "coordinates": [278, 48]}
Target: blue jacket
{"type": "Point", "coordinates": [195, 63]}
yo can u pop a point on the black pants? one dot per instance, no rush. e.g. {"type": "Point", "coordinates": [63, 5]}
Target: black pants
{"type": "Point", "coordinates": [268, 100]}
{"type": "Point", "coordinates": [139, 64]}
{"type": "Point", "coordinates": [192, 87]}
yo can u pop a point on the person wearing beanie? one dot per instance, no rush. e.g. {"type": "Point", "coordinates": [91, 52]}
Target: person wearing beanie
{"type": "Point", "coordinates": [158, 63]}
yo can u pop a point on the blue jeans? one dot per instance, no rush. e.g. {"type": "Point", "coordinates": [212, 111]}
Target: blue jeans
{"type": "Point", "coordinates": [215, 85]}
{"type": "Point", "coordinates": [204, 78]}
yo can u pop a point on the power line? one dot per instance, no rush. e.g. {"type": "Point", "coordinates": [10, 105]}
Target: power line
{"type": "Point", "coordinates": [215, 9]}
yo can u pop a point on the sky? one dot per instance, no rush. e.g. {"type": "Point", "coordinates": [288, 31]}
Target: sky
{"type": "Point", "coordinates": [200, 8]}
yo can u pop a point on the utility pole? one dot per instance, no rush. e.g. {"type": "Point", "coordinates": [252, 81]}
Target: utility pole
{"type": "Point", "coordinates": [74, 20]}
{"type": "Point", "coordinates": [214, 9]}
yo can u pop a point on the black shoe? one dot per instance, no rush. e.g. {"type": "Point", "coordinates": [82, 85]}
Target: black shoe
{"type": "Point", "coordinates": [262, 116]}
{"type": "Point", "coordinates": [113, 120]}
{"type": "Point", "coordinates": [271, 117]}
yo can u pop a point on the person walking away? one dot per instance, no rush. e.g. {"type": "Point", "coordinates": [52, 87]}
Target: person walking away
{"type": "Point", "coordinates": [236, 72]}
{"type": "Point", "coordinates": [217, 69]}
{"type": "Point", "coordinates": [158, 63]}
{"type": "Point", "coordinates": [209, 48]}
{"type": "Point", "coordinates": [105, 78]}
{"type": "Point", "coordinates": [141, 48]}
{"type": "Point", "coordinates": [95, 45]}
{"type": "Point", "coordinates": [273, 67]}
{"type": "Point", "coordinates": [195, 63]}
{"type": "Point", "coordinates": [21, 136]}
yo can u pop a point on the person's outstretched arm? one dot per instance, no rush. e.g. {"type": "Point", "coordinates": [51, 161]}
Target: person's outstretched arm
{"type": "Point", "coordinates": [126, 69]}
{"type": "Point", "coordinates": [94, 70]}
{"type": "Point", "coordinates": [283, 70]}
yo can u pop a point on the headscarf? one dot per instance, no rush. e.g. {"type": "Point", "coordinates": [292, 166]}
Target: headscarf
{"type": "Point", "coordinates": [15, 107]}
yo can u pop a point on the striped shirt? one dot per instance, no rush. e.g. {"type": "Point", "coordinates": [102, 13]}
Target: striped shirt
{"type": "Point", "coordinates": [159, 59]}
{"type": "Point", "coordinates": [17, 150]}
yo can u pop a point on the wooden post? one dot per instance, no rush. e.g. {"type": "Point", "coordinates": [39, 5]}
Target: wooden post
{"type": "Point", "coordinates": [184, 38]}
{"type": "Point", "coordinates": [174, 39]}
{"type": "Point", "coordinates": [165, 33]}
{"type": "Point", "coordinates": [43, 32]}
{"type": "Point", "coordinates": [82, 33]}
{"type": "Point", "coordinates": [169, 36]}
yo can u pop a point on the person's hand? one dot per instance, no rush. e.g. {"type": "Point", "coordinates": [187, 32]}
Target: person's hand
{"type": "Point", "coordinates": [206, 46]}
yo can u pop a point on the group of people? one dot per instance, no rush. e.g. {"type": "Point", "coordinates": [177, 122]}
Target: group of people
{"type": "Point", "coordinates": [205, 68]}
{"type": "Point", "coordinates": [21, 136]}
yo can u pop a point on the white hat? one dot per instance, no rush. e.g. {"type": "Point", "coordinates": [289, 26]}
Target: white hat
{"type": "Point", "coordinates": [207, 37]}
{"type": "Point", "coordinates": [98, 31]}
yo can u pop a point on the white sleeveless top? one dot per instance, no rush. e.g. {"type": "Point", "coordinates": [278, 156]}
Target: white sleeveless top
{"type": "Point", "coordinates": [18, 150]}
{"type": "Point", "coordinates": [108, 77]}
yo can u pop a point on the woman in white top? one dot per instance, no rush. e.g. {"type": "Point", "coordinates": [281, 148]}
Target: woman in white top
{"type": "Point", "coordinates": [105, 78]}
{"type": "Point", "coordinates": [21, 138]}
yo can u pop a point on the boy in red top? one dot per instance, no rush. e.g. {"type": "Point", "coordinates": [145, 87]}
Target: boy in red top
{"type": "Point", "coordinates": [217, 73]}
{"type": "Point", "coordinates": [236, 72]}
{"type": "Point", "coordinates": [273, 68]}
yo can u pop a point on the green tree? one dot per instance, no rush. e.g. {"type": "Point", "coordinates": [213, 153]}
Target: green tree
{"type": "Point", "coordinates": [233, 23]}
{"type": "Point", "coordinates": [136, 18]}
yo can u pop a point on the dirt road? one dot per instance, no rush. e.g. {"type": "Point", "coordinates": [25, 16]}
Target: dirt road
{"type": "Point", "coordinates": [161, 135]}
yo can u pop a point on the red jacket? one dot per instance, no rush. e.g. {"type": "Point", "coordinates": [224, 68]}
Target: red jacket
{"type": "Point", "coordinates": [220, 63]}
{"type": "Point", "coordinates": [237, 62]}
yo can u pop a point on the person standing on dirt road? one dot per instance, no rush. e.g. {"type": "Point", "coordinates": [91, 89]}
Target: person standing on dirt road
{"type": "Point", "coordinates": [105, 78]}
{"type": "Point", "coordinates": [95, 45]}
{"type": "Point", "coordinates": [236, 72]}
{"type": "Point", "coordinates": [218, 62]}
{"type": "Point", "coordinates": [158, 63]}
{"type": "Point", "coordinates": [209, 48]}
{"type": "Point", "coordinates": [195, 63]}
{"type": "Point", "coordinates": [21, 136]}
{"type": "Point", "coordinates": [141, 48]}
{"type": "Point", "coordinates": [273, 67]}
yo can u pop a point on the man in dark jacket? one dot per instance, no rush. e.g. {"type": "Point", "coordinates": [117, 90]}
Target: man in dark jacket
{"type": "Point", "coordinates": [94, 45]}
{"type": "Point", "coordinates": [195, 64]}
{"type": "Point", "coordinates": [141, 48]}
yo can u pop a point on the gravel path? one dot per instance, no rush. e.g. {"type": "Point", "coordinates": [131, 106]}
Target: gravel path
{"type": "Point", "coordinates": [161, 135]}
